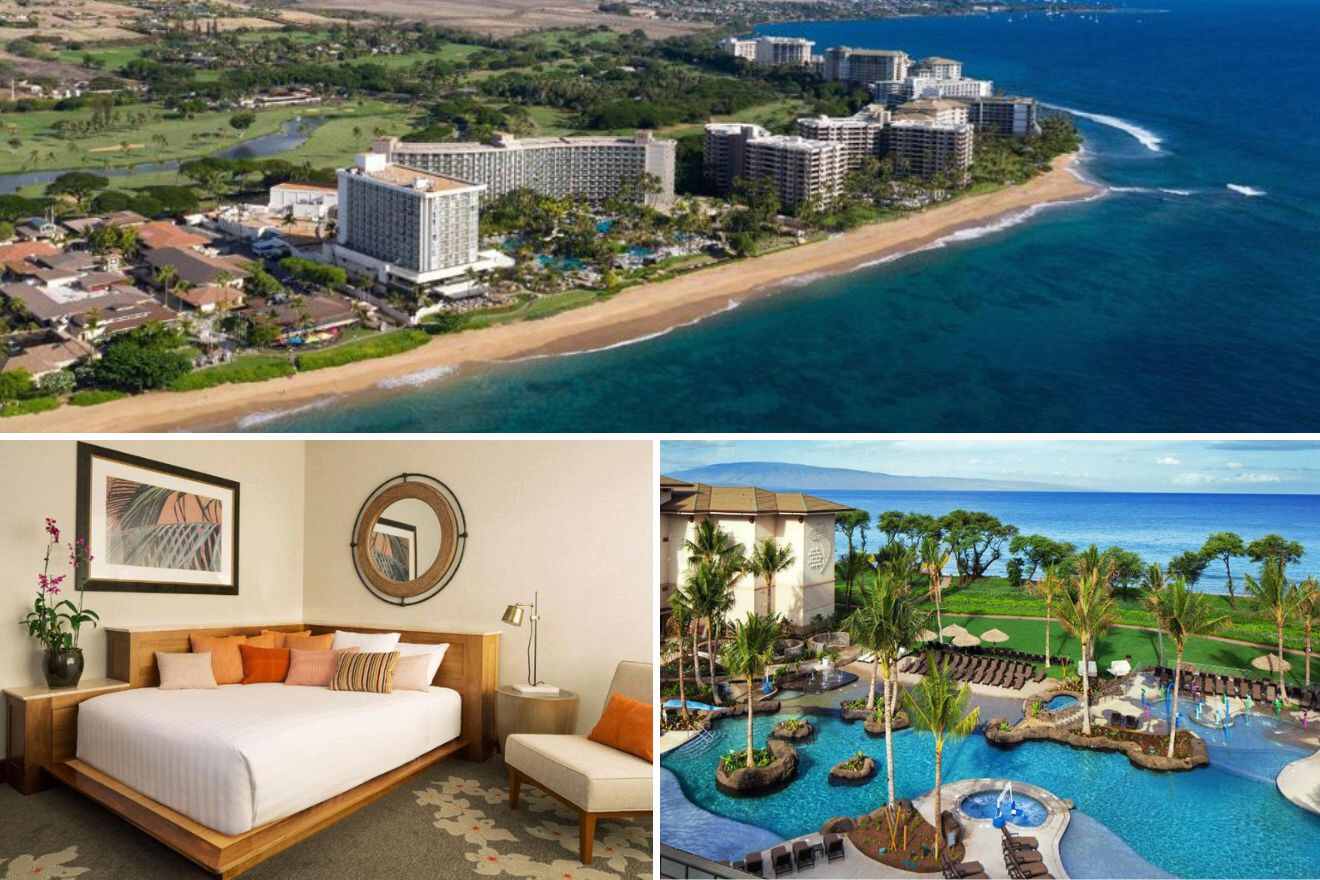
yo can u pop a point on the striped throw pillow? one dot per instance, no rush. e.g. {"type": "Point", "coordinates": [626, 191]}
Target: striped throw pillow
{"type": "Point", "coordinates": [366, 673]}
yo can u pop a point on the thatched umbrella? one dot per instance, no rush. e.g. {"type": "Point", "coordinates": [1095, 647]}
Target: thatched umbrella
{"type": "Point", "coordinates": [994, 635]}
{"type": "Point", "coordinates": [965, 640]}
{"type": "Point", "coordinates": [927, 636]}
{"type": "Point", "coordinates": [952, 629]}
{"type": "Point", "coordinates": [1271, 663]}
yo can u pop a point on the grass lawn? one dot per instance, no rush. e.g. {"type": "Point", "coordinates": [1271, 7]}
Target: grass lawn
{"type": "Point", "coordinates": [380, 345]}
{"type": "Point", "coordinates": [25, 407]}
{"type": "Point", "coordinates": [771, 114]}
{"type": "Point", "coordinates": [252, 368]}
{"type": "Point", "coordinates": [447, 52]}
{"type": "Point", "coordinates": [111, 58]}
{"type": "Point", "coordinates": [94, 396]}
{"type": "Point", "coordinates": [348, 130]}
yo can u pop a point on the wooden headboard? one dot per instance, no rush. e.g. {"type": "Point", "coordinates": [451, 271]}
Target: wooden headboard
{"type": "Point", "coordinates": [471, 665]}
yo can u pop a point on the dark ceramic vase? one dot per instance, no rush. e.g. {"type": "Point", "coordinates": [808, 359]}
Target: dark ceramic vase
{"type": "Point", "coordinates": [64, 667]}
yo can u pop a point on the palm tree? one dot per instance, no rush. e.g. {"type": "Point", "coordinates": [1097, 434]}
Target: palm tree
{"type": "Point", "coordinates": [680, 618]}
{"type": "Point", "coordinates": [710, 592]}
{"type": "Point", "coordinates": [1152, 582]}
{"type": "Point", "coordinates": [894, 606]}
{"type": "Point", "coordinates": [1309, 608]}
{"type": "Point", "coordinates": [939, 704]}
{"type": "Point", "coordinates": [1181, 613]}
{"type": "Point", "coordinates": [748, 654]}
{"type": "Point", "coordinates": [848, 523]}
{"type": "Point", "coordinates": [710, 542]}
{"type": "Point", "coordinates": [1087, 612]}
{"type": "Point", "coordinates": [934, 557]}
{"type": "Point", "coordinates": [1048, 588]}
{"type": "Point", "coordinates": [848, 569]}
{"type": "Point", "coordinates": [768, 559]}
{"type": "Point", "coordinates": [1276, 595]}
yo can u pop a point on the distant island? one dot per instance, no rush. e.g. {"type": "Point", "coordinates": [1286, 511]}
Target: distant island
{"type": "Point", "coordinates": [783, 475]}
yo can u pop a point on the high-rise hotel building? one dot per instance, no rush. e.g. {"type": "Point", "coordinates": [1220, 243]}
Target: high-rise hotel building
{"type": "Point", "coordinates": [594, 168]}
{"type": "Point", "coordinates": [861, 134]}
{"type": "Point", "coordinates": [924, 147]}
{"type": "Point", "coordinates": [724, 158]}
{"type": "Point", "coordinates": [783, 51]}
{"type": "Point", "coordinates": [849, 65]}
{"type": "Point", "coordinates": [938, 68]}
{"type": "Point", "coordinates": [406, 226]}
{"type": "Point", "coordinates": [1010, 116]}
{"type": "Point", "coordinates": [801, 169]}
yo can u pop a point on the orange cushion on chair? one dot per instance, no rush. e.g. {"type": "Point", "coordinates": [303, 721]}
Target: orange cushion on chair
{"type": "Point", "coordinates": [625, 725]}
{"type": "Point", "coordinates": [264, 665]}
{"type": "Point", "coordinates": [226, 662]}
{"type": "Point", "coordinates": [278, 638]}
{"type": "Point", "coordinates": [296, 642]}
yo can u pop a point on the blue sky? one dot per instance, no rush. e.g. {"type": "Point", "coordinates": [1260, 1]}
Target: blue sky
{"type": "Point", "coordinates": [1118, 464]}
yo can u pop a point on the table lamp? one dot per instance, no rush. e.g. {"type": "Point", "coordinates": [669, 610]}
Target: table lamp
{"type": "Point", "coordinates": [514, 615]}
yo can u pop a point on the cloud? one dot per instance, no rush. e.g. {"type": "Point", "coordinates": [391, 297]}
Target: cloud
{"type": "Point", "coordinates": [1168, 459]}
{"type": "Point", "coordinates": [1200, 478]}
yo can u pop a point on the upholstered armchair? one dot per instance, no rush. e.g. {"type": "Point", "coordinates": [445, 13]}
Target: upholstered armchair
{"type": "Point", "coordinates": [598, 781]}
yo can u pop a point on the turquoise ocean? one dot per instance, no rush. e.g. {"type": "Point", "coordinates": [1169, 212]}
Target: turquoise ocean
{"type": "Point", "coordinates": [1187, 298]}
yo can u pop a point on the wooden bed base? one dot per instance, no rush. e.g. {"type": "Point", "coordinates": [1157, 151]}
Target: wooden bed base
{"type": "Point", "coordinates": [470, 667]}
{"type": "Point", "coordinates": [224, 855]}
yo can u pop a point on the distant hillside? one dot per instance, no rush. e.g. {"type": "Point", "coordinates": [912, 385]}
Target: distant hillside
{"type": "Point", "coordinates": [781, 476]}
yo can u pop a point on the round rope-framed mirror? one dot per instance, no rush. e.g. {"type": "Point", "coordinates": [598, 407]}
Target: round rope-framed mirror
{"type": "Point", "coordinates": [408, 539]}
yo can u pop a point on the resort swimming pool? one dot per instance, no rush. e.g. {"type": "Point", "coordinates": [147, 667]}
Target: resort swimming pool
{"type": "Point", "coordinates": [1061, 701]}
{"type": "Point", "coordinates": [1226, 820]}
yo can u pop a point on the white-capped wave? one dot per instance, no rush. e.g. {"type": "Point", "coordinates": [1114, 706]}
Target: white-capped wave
{"type": "Point", "coordinates": [732, 304]}
{"type": "Point", "coordinates": [253, 420]}
{"type": "Point", "coordinates": [1249, 191]}
{"type": "Point", "coordinates": [1148, 139]}
{"type": "Point", "coordinates": [419, 377]}
{"type": "Point", "coordinates": [1151, 190]}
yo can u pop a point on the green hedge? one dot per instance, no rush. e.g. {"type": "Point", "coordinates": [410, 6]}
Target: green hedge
{"type": "Point", "coordinates": [30, 405]}
{"type": "Point", "coordinates": [257, 368]}
{"type": "Point", "coordinates": [384, 345]}
{"type": "Point", "coordinates": [93, 396]}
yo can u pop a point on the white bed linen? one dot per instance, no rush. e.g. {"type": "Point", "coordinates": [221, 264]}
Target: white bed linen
{"type": "Point", "coordinates": [239, 756]}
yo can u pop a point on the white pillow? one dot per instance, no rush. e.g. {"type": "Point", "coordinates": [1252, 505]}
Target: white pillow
{"type": "Point", "coordinates": [369, 643]}
{"type": "Point", "coordinates": [185, 671]}
{"type": "Point", "coordinates": [436, 652]}
{"type": "Point", "coordinates": [410, 673]}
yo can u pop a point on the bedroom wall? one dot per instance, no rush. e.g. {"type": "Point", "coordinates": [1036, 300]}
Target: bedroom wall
{"type": "Point", "coordinates": [39, 479]}
{"type": "Point", "coordinates": [572, 519]}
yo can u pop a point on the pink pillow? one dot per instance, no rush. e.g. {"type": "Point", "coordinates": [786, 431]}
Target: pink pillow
{"type": "Point", "coordinates": [314, 668]}
{"type": "Point", "coordinates": [413, 673]}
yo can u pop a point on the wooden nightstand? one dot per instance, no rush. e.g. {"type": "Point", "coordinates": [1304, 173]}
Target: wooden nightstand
{"type": "Point", "coordinates": [533, 713]}
{"type": "Point", "coordinates": [43, 728]}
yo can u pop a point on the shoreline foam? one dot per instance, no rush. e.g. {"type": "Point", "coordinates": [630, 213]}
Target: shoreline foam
{"type": "Point", "coordinates": [635, 314]}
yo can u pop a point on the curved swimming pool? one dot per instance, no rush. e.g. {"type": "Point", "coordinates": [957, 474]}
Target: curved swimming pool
{"type": "Point", "coordinates": [1026, 811]}
{"type": "Point", "coordinates": [1217, 821]}
{"type": "Point", "coordinates": [1060, 701]}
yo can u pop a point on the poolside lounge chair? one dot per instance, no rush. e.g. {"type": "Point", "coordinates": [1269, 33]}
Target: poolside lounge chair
{"type": "Point", "coordinates": [1040, 675]}
{"type": "Point", "coordinates": [804, 854]}
{"type": "Point", "coordinates": [1255, 691]}
{"type": "Point", "coordinates": [834, 847]}
{"type": "Point", "coordinates": [1018, 840]}
{"type": "Point", "coordinates": [960, 870]}
{"type": "Point", "coordinates": [1018, 868]}
{"type": "Point", "coordinates": [755, 864]}
{"type": "Point", "coordinates": [1271, 693]}
{"type": "Point", "coordinates": [781, 860]}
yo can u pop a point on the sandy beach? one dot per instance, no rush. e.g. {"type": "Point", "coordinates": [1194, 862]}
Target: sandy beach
{"type": "Point", "coordinates": [634, 313]}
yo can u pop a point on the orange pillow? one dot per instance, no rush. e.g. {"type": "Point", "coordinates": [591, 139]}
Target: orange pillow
{"type": "Point", "coordinates": [265, 640]}
{"type": "Point", "coordinates": [226, 662]}
{"type": "Point", "coordinates": [279, 637]}
{"type": "Point", "coordinates": [295, 642]}
{"type": "Point", "coordinates": [264, 665]}
{"type": "Point", "coordinates": [626, 726]}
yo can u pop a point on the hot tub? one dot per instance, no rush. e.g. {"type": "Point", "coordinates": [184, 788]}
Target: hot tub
{"type": "Point", "coordinates": [1026, 811]}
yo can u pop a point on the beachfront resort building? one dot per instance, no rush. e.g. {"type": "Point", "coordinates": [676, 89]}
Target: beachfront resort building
{"type": "Point", "coordinates": [1002, 114]}
{"type": "Point", "coordinates": [933, 110]}
{"type": "Point", "coordinates": [802, 523]}
{"type": "Point", "coordinates": [912, 88]}
{"type": "Point", "coordinates": [739, 47]}
{"type": "Point", "coordinates": [724, 158]}
{"type": "Point", "coordinates": [595, 168]}
{"type": "Point", "coordinates": [938, 68]}
{"type": "Point", "coordinates": [801, 169]}
{"type": "Point", "coordinates": [861, 66]}
{"type": "Point", "coordinates": [861, 134]}
{"type": "Point", "coordinates": [783, 52]}
{"type": "Point", "coordinates": [924, 147]}
{"type": "Point", "coordinates": [406, 226]}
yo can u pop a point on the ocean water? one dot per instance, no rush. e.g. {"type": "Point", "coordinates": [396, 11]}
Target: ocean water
{"type": "Point", "coordinates": [1211, 822]}
{"type": "Point", "coordinates": [1155, 526]}
{"type": "Point", "coordinates": [1187, 298]}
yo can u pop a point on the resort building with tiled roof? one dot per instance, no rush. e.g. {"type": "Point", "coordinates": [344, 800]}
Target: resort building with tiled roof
{"type": "Point", "coordinates": [803, 523]}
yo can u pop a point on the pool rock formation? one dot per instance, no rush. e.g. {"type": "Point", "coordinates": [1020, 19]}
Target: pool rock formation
{"type": "Point", "coordinates": [841, 774]}
{"type": "Point", "coordinates": [876, 726]}
{"type": "Point", "coordinates": [1189, 752]}
{"type": "Point", "coordinates": [798, 733]}
{"type": "Point", "coordinates": [746, 781]}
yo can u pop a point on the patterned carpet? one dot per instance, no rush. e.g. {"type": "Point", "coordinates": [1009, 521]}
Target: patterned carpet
{"type": "Point", "coordinates": [451, 820]}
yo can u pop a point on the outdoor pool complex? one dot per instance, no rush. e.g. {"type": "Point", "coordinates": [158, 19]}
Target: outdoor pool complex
{"type": "Point", "coordinates": [1027, 811]}
{"type": "Point", "coordinates": [1225, 820]}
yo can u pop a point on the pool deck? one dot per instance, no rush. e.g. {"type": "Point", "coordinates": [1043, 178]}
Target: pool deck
{"type": "Point", "coordinates": [672, 739]}
{"type": "Point", "coordinates": [1299, 782]}
{"type": "Point", "coordinates": [984, 842]}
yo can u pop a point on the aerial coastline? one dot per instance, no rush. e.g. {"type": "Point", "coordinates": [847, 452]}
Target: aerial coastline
{"type": "Point", "coordinates": [637, 312]}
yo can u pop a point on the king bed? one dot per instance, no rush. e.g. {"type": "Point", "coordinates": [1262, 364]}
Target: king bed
{"type": "Point", "coordinates": [230, 776]}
